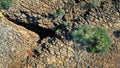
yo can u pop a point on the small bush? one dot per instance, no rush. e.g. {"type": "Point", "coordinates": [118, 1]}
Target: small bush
{"type": "Point", "coordinates": [5, 4]}
{"type": "Point", "coordinates": [96, 38]}
{"type": "Point", "coordinates": [59, 13]}
{"type": "Point", "coordinates": [65, 23]}
{"type": "Point", "coordinates": [96, 2]}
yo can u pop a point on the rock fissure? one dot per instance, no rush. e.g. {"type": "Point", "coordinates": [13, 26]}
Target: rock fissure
{"type": "Point", "coordinates": [42, 32]}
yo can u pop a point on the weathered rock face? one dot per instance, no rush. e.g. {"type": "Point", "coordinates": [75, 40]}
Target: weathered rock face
{"type": "Point", "coordinates": [19, 46]}
{"type": "Point", "coordinates": [14, 43]}
{"type": "Point", "coordinates": [34, 11]}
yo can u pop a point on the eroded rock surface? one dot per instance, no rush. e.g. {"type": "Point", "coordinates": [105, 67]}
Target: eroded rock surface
{"type": "Point", "coordinates": [19, 45]}
{"type": "Point", "coordinates": [34, 11]}
{"type": "Point", "coordinates": [14, 43]}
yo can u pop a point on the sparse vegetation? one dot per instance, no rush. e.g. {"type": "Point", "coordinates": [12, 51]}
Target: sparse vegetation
{"type": "Point", "coordinates": [5, 4]}
{"type": "Point", "coordinates": [96, 38]}
{"type": "Point", "coordinates": [59, 13]}
{"type": "Point", "coordinates": [65, 23]}
{"type": "Point", "coordinates": [96, 2]}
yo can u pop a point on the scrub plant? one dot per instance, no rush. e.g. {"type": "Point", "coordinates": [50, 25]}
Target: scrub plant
{"type": "Point", "coordinates": [5, 4]}
{"type": "Point", "coordinates": [95, 3]}
{"type": "Point", "coordinates": [96, 38]}
{"type": "Point", "coordinates": [59, 13]}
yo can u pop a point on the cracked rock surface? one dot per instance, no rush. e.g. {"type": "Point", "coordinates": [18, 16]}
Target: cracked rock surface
{"type": "Point", "coordinates": [34, 11]}
{"type": "Point", "coordinates": [29, 37]}
{"type": "Point", "coordinates": [14, 43]}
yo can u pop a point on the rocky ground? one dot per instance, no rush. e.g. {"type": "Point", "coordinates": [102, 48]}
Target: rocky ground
{"type": "Point", "coordinates": [30, 37]}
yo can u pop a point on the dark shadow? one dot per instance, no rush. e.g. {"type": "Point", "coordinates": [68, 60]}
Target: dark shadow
{"type": "Point", "coordinates": [77, 1]}
{"type": "Point", "coordinates": [87, 13]}
{"type": "Point", "coordinates": [116, 33]}
{"type": "Point", "coordinates": [88, 6]}
{"type": "Point", "coordinates": [64, 32]}
{"type": "Point", "coordinates": [37, 54]}
{"type": "Point", "coordinates": [45, 47]}
{"type": "Point", "coordinates": [42, 32]}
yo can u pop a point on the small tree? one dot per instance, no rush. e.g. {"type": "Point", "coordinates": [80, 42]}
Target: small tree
{"type": "Point", "coordinates": [59, 13]}
{"type": "Point", "coordinates": [96, 38]}
{"type": "Point", "coordinates": [5, 4]}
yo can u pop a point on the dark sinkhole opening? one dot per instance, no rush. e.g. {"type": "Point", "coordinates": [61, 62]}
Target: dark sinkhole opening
{"type": "Point", "coordinates": [42, 32]}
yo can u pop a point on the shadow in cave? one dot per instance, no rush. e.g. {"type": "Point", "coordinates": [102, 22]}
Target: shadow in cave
{"type": "Point", "coordinates": [42, 32]}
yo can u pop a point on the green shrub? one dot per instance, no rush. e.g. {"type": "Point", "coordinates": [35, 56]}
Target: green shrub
{"type": "Point", "coordinates": [96, 2]}
{"type": "Point", "coordinates": [59, 13]}
{"type": "Point", "coordinates": [96, 38]}
{"type": "Point", "coordinates": [5, 4]}
{"type": "Point", "coordinates": [65, 23]}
